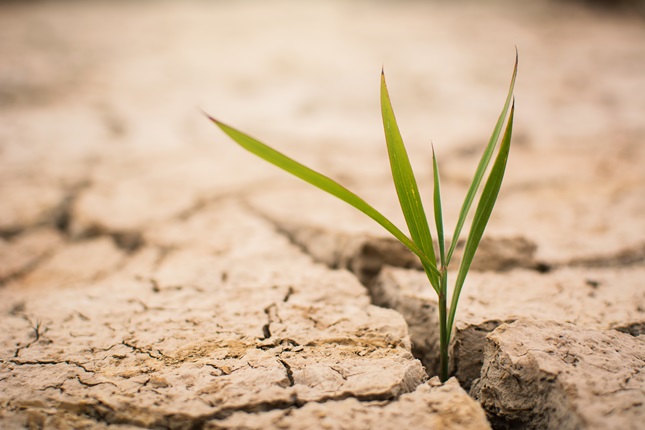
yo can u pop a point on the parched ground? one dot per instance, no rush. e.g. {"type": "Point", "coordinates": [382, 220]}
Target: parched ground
{"type": "Point", "coordinates": [154, 275]}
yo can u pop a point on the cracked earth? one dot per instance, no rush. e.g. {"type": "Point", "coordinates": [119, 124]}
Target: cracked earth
{"type": "Point", "coordinates": [154, 275]}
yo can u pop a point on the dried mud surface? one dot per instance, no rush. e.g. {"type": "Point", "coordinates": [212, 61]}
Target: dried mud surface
{"type": "Point", "coordinates": [154, 275]}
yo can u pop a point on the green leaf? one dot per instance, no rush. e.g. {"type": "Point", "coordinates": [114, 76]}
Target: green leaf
{"type": "Point", "coordinates": [482, 214]}
{"type": "Point", "coordinates": [438, 213]}
{"type": "Point", "coordinates": [482, 166]}
{"type": "Point", "coordinates": [321, 181]}
{"type": "Point", "coordinates": [406, 185]}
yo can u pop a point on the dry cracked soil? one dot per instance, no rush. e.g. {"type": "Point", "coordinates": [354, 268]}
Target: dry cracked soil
{"type": "Point", "coordinates": [154, 275]}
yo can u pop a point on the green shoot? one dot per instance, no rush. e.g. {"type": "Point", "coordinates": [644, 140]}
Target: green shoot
{"type": "Point", "coordinates": [438, 212]}
{"type": "Point", "coordinates": [482, 213]}
{"type": "Point", "coordinates": [406, 186]}
{"type": "Point", "coordinates": [420, 241]}
{"type": "Point", "coordinates": [321, 181]}
{"type": "Point", "coordinates": [483, 164]}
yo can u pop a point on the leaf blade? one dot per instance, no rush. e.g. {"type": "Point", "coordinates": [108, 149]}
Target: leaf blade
{"type": "Point", "coordinates": [482, 166]}
{"type": "Point", "coordinates": [438, 211]}
{"type": "Point", "coordinates": [318, 180]}
{"type": "Point", "coordinates": [405, 183]}
{"type": "Point", "coordinates": [482, 213]}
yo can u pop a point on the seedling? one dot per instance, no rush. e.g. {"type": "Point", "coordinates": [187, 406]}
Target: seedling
{"type": "Point", "coordinates": [420, 241]}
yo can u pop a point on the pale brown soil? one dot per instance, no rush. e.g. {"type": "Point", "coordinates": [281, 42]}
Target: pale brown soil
{"type": "Point", "coordinates": [154, 275]}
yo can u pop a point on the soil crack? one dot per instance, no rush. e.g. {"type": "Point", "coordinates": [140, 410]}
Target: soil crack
{"type": "Point", "coordinates": [147, 352]}
{"type": "Point", "coordinates": [365, 256]}
{"type": "Point", "coordinates": [38, 330]}
{"type": "Point", "coordinates": [49, 363]}
{"type": "Point", "coordinates": [288, 371]}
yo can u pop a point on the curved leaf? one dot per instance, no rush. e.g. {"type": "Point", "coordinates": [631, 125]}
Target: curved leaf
{"type": "Point", "coordinates": [438, 212]}
{"type": "Point", "coordinates": [482, 214]}
{"type": "Point", "coordinates": [482, 166]}
{"type": "Point", "coordinates": [405, 183]}
{"type": "Point", "coordinates": [321, 181]}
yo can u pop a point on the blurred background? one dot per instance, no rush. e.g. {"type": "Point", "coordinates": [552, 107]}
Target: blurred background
{"type": "Point", "coordinates": [101, 126]}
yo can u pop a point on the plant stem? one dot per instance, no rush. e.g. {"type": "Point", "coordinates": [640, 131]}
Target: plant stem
{"type": "Point", "coordinates": [444, 335]}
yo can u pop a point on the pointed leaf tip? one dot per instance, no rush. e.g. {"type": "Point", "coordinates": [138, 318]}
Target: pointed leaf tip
{"type": "Point", "coordinates": [213, 119]}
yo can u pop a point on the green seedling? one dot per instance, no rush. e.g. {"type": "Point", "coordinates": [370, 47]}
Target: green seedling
{"type": "Point", "coordinates": [420, 242]}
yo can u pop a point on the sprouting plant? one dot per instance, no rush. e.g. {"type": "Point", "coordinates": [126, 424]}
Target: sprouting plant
{"type": "Point", "coordinates": [420, 241]}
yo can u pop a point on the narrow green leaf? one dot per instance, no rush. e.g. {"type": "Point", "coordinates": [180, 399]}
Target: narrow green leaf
{"type": "Point", "coordinates": [324, 183]}
{"type": "Point", "coordinates": [406, 184]}
{"type": "Point", "coordinates": [482, 166]}
{"type": "Point", "coordinates": [438, 212]}
{"type": "Point", "coordinates": [482, 213]}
